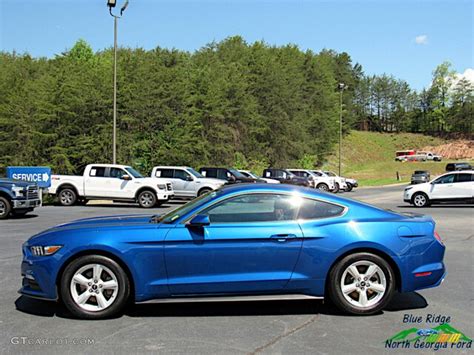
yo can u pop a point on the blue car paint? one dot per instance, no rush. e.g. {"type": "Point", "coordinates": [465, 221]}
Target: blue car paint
{"type": "Point", "coordinates": [165, 260]}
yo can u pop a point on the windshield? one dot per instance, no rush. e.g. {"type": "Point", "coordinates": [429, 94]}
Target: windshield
{"type": "Point", "coordinates": [194, 172]}
{"type": "Point", "coordinates": [237, 174]}
{"type": "Point", "coordinates": [330, 173]}
{"type": "Point", "coordinates": [252, 175]}
{"type": "Point", "coordinates": [134, 173]}
{"type": "Point", "coordinates": [172, 216]}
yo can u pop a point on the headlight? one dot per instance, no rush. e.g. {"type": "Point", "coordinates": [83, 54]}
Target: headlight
{"type": "Point", "coordinates": [161, 186]}
{"type": "Point", "coordinates": [42, 251]}
{"type": "Point", "coordinates": [19, 191]}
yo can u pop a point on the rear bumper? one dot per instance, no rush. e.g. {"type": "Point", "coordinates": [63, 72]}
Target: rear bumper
{"type": "Point", "coordinates": [424, 270]}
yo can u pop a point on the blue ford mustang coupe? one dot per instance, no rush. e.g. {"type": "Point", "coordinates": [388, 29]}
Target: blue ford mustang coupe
{"type": "Point", "coordinates": [256, 241]}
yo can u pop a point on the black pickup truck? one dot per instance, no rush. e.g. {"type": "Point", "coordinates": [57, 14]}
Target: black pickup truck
{"type": "Point", "coordinates": [17, 197]}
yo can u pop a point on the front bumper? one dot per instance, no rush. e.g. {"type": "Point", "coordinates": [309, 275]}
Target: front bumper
{"type": "Point", "coordinates": [20, 204]}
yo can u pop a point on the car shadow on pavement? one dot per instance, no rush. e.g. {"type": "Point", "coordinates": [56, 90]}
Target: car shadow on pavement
{"type": "Point", "coordinates": [400, 302]}
{"type": "Point", "coordinates": [26, 216]}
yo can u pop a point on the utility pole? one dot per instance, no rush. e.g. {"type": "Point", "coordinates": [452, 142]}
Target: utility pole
{"type": "Point", "coordinates": [111, 4]}
{"type": "Point", "coordinates": [341, 88]}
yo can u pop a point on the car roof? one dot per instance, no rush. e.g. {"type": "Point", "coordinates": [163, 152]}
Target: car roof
{"type": "Point", "coordinates": [171, 167]}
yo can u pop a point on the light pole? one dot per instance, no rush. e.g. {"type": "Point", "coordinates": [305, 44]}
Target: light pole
{"type": "Point", "coordinates": [341, 88]}
{"type": "Point", "coordinates": [111, 4]}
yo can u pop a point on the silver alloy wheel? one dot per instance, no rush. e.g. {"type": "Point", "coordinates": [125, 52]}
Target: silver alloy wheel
{"type": "Point", "coordinates": [147, 199]}
{"type": "Point", "coordinates": [363, 284]}
{"type": "Point", "coordinates": [419, 200]}
{"type": "Point", "coordinates": [323, 187]}
{"type": "Point", "coordinates": [3, 208]}
{"type": "Point", "coordinates": [67, 198]}
{"type": "Point", "coordinates": [94, 287]}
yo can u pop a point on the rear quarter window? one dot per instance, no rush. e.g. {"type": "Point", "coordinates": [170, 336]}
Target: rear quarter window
{"type": "Point", "coordinates": [315, 209]}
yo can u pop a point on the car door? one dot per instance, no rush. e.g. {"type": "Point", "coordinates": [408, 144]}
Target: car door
{"type": "Point", "coordinates": [116, 186]}
{"type": "Point", "coordinates": [251, 245]}
{"type": "Point", "coordinates": [443, 188]}
{"type": "Point", "coordinates": [95, 183]}
{"type": "Point", "coordinates": [184, 182]}
{"type": "Point", "coordinates": [464, 185]}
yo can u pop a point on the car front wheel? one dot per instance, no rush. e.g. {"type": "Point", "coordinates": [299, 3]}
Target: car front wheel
{"type": "Point", "coordinates": [349, 187]}
{"type": "Point", "coordinates": [147, 199]}
{"type": "Point", "coordinates": [336, 188]}
{"type": "Point", "coordinates": [361, 284]}
{"type": "Point", "coordinates": [323, 187]}
{"type": "Point", "coordinates": [94, 287]}
{"type": "Point", "coordinates": [420, 200]}
{"type": "Point", "coordinates": [5, 207]}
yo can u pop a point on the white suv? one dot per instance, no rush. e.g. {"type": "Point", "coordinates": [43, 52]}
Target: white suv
{"type": "Point", "coordinates": [318, 181]}
{"type": "Point", "coordinates": [456, 186]}
{"type": "Point", "coordinates": [186, 181]}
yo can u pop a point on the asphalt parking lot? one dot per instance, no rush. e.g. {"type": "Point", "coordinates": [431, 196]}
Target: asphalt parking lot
{"type": "Point", "coordinates": [247, 327]}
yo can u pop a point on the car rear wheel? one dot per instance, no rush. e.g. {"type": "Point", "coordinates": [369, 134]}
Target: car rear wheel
{"type": "Point", "coordinates": [5, 208]}
{"type": "Point", "coordinates": [349, 187]}
{"type": "Point", "coordinates": [323, 187]}
{"type": "Point", "coordinates": [336, 188]}
{"type": "Point", "coordinates": [94, 287]}
{"type": "Point", "coordinates": [420, 200]}
{"type": "Point", "coordinates": [361, 284]}
{"type": "Point", "coordinates": [67, 197]}
{"type": "Point", "coordinates": [147, 199]}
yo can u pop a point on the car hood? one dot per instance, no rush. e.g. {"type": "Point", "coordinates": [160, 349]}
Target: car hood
{"type": "Point", "coordinates": [97, 223]}
{"type": "Point", "coordinates": [20, 183]}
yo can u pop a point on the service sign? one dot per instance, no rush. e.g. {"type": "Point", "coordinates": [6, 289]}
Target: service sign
{"type": "Point", "coordinates": [38, 174]}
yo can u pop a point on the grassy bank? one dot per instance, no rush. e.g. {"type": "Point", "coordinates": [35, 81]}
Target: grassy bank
{"type": "Point", "coordinates": [369, 157]}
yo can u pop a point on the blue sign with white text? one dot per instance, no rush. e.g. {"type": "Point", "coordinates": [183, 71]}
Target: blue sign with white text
{"type": "Point", "coordinates": [39, 174]}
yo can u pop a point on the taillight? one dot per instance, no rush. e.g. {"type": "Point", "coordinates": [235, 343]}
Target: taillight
{"type": "Point", "coordinates": [438, 238]}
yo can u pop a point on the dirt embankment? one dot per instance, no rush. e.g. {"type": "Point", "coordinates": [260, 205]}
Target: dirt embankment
{"type": "Point", "coordinates": [459, 149]}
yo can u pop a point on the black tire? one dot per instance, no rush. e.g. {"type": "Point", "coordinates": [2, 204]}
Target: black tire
{"type": "Point", "coordinates": [323, 187]}
{"type": "Point", "coordinates": [147, 199]}
{"type": "Point", "coordinates": [335, 278]}
{"type": "Point", "coordinates": [336, 188]}
{"type": "Point", "coordinates": [67, 197]}
{"type": "Point", "coordinates": [117, 304]}
{"type": "Point", "coordinates": [349, 187]}
{"type": "Point", "coordinates": [203, 191]}
{"type": "Point", "coordinates": [420, 199]}
{"type": "Point", "coordinates": [5, 208]}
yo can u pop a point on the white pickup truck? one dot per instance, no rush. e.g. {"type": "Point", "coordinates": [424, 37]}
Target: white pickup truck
{"type": "Point", "coordinates": [111, 182]}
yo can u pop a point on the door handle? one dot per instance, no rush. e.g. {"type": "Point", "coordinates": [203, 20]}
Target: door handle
{"type": "Point", "coordinates": [282, 237]}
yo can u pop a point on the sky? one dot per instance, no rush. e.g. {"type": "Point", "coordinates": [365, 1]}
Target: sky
{"type": "Point", "coordinates": [405, 38]}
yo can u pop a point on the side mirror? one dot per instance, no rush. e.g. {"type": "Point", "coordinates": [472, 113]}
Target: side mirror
{"type": "Point", "coordinates": [201, 220]}
{"type": "Point", "coordinates": [126, 177]}
{"type": "Point", "coordinates": [189, 178]}
{"type": "Point", "coordinates": [231, 178]}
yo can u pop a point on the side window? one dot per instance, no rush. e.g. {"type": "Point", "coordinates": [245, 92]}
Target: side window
{"type": "Point", "coordinates": [116, 173]}
{"type": "Point", "coordinates": [97, 171]}
{"type": "Point", "coordinates": [464, 177]}
{"type": "Point", "coordinates": [280, 174]}
{"type": "Point", "coordinates": [447, 179]}
{"type": "Point", "coordinates": [164, 173]}
{"type": "Point", "coordinates": [254, 208]}
{"type": "Point", "coordinates": [210, 173]}
{"type": "Point", "coordinates": [180, 174]}
{"type": "Point", "coordinates": [312, 209]}
{"type": "Point", "coordinates": [223, 174]}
